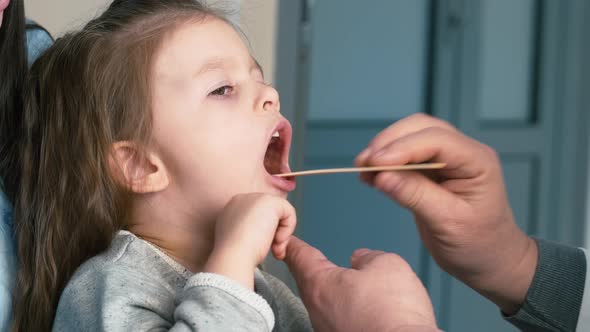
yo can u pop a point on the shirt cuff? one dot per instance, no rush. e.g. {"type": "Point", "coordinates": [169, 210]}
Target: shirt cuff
{"type": "Point", "coordinates": [235, 289]}
{"type": "Point", "coordinates": [554, 299]}
{"type": "Point", "coordinates": [584, 319]}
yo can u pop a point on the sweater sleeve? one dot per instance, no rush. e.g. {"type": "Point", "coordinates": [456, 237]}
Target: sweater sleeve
{"type": "Point", "coordinates": [7, 264]}
{"type": "Point", "coordinates": [554, 299]}
{"type": "Point", "coordinates": [290, 313]}
{"type": "Point", "coordinates": [212, 302]}
{"type": "Point", "coordinates": [7, 275]}
{"type": "Point", "coordinates": [132, 302]}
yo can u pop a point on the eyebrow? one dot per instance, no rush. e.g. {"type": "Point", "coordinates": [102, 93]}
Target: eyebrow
{"type": "Point", "coordinates": [211, 65]}
{"type": "Point", "coordinates": [219, 63]}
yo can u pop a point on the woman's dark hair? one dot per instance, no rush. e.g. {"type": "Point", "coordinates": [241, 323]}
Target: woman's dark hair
{"type": "Point", "coordinates": [89, 90]}
{"type": "Point", "coordinates": [13, 69]}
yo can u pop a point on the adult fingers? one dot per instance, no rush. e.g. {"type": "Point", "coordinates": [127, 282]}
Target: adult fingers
{"type": "Point", "coordinates": [401, 128]}
{"type": "Point", "coordinates": [464, 157]}
{"type": "Point", "coordinates": [376, 260]}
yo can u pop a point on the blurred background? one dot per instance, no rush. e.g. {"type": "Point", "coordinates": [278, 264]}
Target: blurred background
{"type": "Point", "coordinates": [514, 74]}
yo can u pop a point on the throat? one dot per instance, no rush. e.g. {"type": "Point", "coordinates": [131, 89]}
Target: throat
{"type": "Point", "coordinates": [273, 157]}
{"type": "Point", "coordinates": [190, 250]}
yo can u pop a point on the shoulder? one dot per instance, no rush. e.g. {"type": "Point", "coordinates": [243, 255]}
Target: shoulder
{"type": "Point", "coordinates": [38, 40]}
{"type": "Point", "coordinates": [128, 262]}
{"type": "Point", "coordinates": [127, 277]}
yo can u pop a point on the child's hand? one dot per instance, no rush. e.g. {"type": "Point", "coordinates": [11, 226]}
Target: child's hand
{"type": "Point", "coordinates": [248, 227]}
{"type": "Point", "coordinates": [462, 211]}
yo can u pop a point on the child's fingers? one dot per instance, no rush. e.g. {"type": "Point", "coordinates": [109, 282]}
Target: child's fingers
{"type": "Point", "coordinates": [282, 236]}
{"type": "Point", "coordinates": [287, 220]}
{"type": "Point", "coordinates": [283, 233]}
{"type": "Point", "coordinates": [279, 250]}
{"type": "Point", "coordinates": [401, 128]}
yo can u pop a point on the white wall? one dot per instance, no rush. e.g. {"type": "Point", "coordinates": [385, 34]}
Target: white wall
{"type": "Point", "coordinates": [257, 18]}
{"type": "Point", "coordinates": [587, 242]}
{"type": "Point", "coordinates": [59, 16]}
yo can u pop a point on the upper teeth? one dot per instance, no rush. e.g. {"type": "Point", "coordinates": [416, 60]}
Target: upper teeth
{"type": "Point", "coordinates": [276, 134]}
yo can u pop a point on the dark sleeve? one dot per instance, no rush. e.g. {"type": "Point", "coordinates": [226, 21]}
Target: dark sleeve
{"type": "Point", "coordinates": [38, 41]}
{"type": "Point", "coordinates": [554, 299]}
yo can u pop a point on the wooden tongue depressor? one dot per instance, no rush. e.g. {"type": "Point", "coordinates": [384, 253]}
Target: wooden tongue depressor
{"type": "Point", "coordinates": [409, 167]}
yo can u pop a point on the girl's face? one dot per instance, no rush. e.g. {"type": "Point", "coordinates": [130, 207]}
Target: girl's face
{"type": "Point", "coordinates": [215, 120]}
{"type": "Point", "coordinates": [3, 5]}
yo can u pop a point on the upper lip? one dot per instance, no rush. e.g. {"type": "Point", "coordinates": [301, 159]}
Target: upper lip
{"type": "Point", "coordinates": [285, 133]}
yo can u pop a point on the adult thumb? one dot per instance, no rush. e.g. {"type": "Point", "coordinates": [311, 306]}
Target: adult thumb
{"type": "Point", "coordinates": [305, 261]}
{"type": "Point", "coordinates": [414, 191]}
{"type": "Point", "coordinates": [363, 258]}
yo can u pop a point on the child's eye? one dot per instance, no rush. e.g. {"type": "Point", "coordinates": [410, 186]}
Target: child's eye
{"type": "Point", "coordinates": [222, 91]}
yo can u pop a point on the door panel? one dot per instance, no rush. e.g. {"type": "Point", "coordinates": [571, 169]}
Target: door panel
{"type": "Point", "coordinates": [469, 311]}
{"type": "Point", "coordinates": [503, 92]}
{"type": "Point", "coordinates": [340, 214]}
{"type": "Point", "coordinates": [522, 174]}
{"type": "Point", "coordinates": [506, 59]}
{"type": "Point", "coordinates": [367, 60]}
{"type": "Point", "coordinates": [367, 68]}
{"type": "Point", "coordinates": [502, 71]}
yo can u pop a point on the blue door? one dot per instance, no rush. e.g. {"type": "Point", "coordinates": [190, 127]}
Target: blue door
{"type": "Point", "coordinates": [367, 68]}
{"type": "Point", "coordinates": [502, 77]}
{"type": "Point", "coordinates": [494, 68]}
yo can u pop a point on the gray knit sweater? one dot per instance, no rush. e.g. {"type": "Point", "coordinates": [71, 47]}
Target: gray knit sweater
{"type": "Point", "coordinates": [134, 286]}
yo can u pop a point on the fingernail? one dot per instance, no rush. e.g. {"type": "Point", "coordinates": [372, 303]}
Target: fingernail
{"type": "Point", "coordinates": [360, 252]}
{"type": "Point", "coordinates": [386, 155]}
{"type": "Point", "coordinates": [379, 154]}
{"type": "Point", "coordinates": [364, 155]}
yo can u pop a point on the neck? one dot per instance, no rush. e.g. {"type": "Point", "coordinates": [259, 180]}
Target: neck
{"type": "Point", "coordinates": [187, 239]}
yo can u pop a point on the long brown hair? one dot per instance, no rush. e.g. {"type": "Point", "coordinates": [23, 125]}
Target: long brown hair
{"type": "Point", "coordinates": [89, 90]}
{"type": "Point", "coordinates": [13, 68]}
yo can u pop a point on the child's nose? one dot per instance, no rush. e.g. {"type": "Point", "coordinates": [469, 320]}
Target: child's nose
{"type": "Point", "coordinates": [269, 99]}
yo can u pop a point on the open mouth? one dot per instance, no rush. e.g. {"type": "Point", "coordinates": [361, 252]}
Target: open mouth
{"type": "Point", "coordinates": [273, 159]}
{"type": "Point", "coordinates": [276, 158]}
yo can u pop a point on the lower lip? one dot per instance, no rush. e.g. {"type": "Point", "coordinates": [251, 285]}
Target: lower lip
{"type": "Point", "coordinates": [284, 184]}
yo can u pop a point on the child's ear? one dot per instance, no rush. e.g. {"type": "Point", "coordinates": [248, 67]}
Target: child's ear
{"type": "Point", "coordinates": [141, 173]}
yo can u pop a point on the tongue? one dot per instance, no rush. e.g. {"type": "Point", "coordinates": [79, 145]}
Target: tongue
{"type": "Point", "coordinates": [272, 159]}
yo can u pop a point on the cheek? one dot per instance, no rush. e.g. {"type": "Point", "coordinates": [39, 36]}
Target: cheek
{"type": "Point", "coordinates": [215, 153]}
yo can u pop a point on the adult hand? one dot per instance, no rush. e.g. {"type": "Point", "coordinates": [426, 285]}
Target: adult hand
{"type": "Point", "coordinates": [379, 293]}
{"type": "Point", "coordinates": [462, 211]}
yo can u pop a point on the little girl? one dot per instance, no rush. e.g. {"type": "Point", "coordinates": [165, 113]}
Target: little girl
{"type": "Point", "coordinates": [146, 195]}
